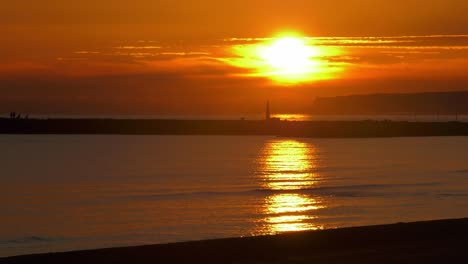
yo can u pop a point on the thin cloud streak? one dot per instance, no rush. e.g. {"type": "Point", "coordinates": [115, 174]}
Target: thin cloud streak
{"type": "Point", "coordinates": [426, 63]}
{"type": "Point", "coordinates": [137, 47]}
{"type": "Point", "coordinates": [354, 50]}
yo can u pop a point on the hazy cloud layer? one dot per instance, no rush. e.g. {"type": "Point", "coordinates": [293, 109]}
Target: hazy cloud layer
{"type": "Point", "coordinates": [151, 76]}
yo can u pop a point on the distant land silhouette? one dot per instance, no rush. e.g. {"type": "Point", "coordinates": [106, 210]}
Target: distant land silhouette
{"type": "Point", "coordinates": [436, 103]}
{"type": "Point", "coordinates": [432, 103]}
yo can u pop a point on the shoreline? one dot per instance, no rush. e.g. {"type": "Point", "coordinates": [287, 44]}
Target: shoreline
{"type": "Point", "coordinates": [273, 127]}
{"type": "Point", "coordinates": [436, 241]}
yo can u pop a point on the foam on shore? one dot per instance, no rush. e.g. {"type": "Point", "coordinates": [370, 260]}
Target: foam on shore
{"type": "Point", "coordinates": [440, 241]}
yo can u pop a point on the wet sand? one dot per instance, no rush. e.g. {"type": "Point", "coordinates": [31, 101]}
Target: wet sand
{"type": "Point", "coordinates": [441, 241]}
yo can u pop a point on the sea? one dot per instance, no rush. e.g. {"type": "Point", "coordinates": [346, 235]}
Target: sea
{"type": "Point", "coordinates": [75, 192]}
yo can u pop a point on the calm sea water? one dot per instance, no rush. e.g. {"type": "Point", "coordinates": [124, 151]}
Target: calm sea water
{"type": "Point", "coordinates": [61, 193]}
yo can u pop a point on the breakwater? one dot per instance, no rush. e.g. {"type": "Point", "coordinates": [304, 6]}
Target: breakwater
{"type": "Point", "coordinates": [233, 127]}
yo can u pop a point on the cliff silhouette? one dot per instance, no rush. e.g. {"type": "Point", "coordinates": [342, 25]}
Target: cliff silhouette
{"type": "Point", "coordinates": [414, 103]}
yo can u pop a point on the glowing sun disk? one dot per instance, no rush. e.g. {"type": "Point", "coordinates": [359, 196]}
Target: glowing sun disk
{"type": "Point", "coordinates": [286, 60]}
{"type": "Point", "coordinates": [289, 54]}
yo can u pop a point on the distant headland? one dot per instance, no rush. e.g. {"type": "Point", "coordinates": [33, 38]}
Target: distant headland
{"type": "Point", "coordinates": [18, 124]}
{"type": "Point", "coordinates": [429, 103]}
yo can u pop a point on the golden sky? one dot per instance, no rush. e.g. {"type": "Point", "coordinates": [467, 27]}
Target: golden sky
{"type": "Point", "coordinates": [206, 56]}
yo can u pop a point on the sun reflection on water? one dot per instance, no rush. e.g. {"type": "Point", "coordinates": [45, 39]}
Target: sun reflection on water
{"type": "Point", "coordinates": [286, 167]}
{"type": "Point", "coordinates": [289, 212]}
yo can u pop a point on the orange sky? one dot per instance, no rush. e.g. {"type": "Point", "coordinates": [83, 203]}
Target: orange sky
{"type": "Point", "coordinates": [172, 57]}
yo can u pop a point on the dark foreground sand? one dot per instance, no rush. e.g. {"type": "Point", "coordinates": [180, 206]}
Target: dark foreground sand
{"type": "Point", "coordinates": [444, 241]}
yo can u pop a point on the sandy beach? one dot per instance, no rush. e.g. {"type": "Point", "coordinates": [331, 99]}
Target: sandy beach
{"type": "Point", "coordinates": [441, 241]}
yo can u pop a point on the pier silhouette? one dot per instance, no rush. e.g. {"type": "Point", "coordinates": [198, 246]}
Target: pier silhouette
{"type": "Point", "coordinates": [274, 127]}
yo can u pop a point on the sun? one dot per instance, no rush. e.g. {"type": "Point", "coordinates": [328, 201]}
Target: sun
{"type": "Point", "coordinates": [285, 59]}
{"type": "Point", "coordinates": [289, 56]}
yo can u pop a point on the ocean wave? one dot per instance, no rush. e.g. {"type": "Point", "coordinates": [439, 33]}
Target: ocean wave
{"type": "Point", "coordinates": [341, 191]}
{"type": "Point", "coordinates": [462, 171]}
{"type": "Point", "coordinates": [312, 170]}
{"type": "Point", "coordinates": [453, 194]}
{"type": "Point", "coordinates": [29, 240]}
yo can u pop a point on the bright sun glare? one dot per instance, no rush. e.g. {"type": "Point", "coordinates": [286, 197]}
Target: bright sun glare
{"type": "Point", "coordinates": [289, 55]}
{"type": "Point", "coordinates": [287, 59]}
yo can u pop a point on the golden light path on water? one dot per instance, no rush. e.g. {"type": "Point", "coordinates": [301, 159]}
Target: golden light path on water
{"type": "Point", "coordinates": [293, 117]}
{"type": "Point", "coordinates": [286, 166]}
{"type": "Point", "coordinates": [287, 59]}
